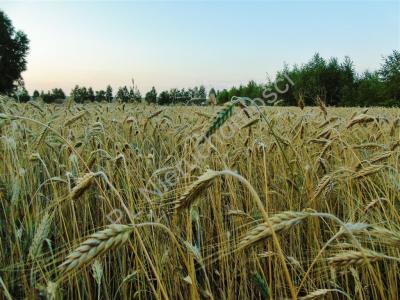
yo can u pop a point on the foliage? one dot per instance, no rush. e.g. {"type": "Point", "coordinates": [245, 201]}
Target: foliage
{"type": "Point", "coordinates": [390, 73]}
{"type": "Point", "coordinates": [151, 96]}
{"type": "Point", "coordinates": [335, 83]}
{"type": "Point", "coordinates": [53, 95]}
{"type": "Point", "coordinates": [14, 46]}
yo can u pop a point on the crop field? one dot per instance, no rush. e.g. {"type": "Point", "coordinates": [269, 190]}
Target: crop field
{"type": "Point", "coordinates": [135, 201]}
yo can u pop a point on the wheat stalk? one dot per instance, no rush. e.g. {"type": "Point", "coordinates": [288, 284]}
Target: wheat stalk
{"type": "Point", "coordinates": [250, 123]}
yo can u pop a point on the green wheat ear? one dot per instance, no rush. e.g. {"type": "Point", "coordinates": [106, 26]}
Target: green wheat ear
{"type": "Point", "coordinates": [219, 120]}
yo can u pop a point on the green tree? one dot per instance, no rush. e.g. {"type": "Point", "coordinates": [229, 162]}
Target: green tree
{"type": "Point", "coordinates": [390, 73]}
{"type": "Point", "coordinates": [151, 96]}
{"type": "Point", "coordinates": [58, 94]}
{"type": "Point", "coordinates": [79, 94]}
{"type": "Point", "coordinates": [202, 92]}
{"type": "Point", "coordinates": [369, 90]}
{"type": "Point", "coordinates": [109, 94]}
{"type": "Point", "coordinates": [35, 94]}
{"type": "Point", "coordinates": [90, 95]}
{"type": "Point", "coordinates": [100, 96]}
{"type": "Point", "coordinates": [334, 82]}
{"type": "Point", "coordinates": [14, 46]}
{"type": "Point", "coordinates": [138, 95]}
{"type": "Point", "coordinates": [20, 93]}
{"type": "Point", "coordinates": [223, 96]}
{"type": "Point", "coordinates": [164, 98]}
{"type": "Point", "coordinates": [123, 94]}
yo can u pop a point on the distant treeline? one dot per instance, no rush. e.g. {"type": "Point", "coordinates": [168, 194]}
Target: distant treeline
{"type": "Point", "coordinates": [334, 82]}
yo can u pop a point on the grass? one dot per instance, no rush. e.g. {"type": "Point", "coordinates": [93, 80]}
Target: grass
{"type": "Point", "coordinates": [208, 202]}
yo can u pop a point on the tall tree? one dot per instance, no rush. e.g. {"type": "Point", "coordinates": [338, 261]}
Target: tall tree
{"type": "Point", "coordinates": [123, 94]}
{"type": "Point", "coordinates": [151, 96]}
{"type": "Point", "coordinates": [14, 46]}
{"type": "Point", "coordinates": [58, 93]}
{"type": "Point", "coordinates": [202, 92]}
{"type": "Point", "coordinates": [390, 72]}
{"type": "Point", "coordinates": [100, 96]}
{"type": "Point", "coordinates": [21, 94]}
{"type": "Point", "coordinates": [90, 94]}
{"type": "Point", "coordinates": [35, 94]}
{"type": "Point", "coordinates": [109, 93]}
{"type": "Point", "coordinates": [164, 98]}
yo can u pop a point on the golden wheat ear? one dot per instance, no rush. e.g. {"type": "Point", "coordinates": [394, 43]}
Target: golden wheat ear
{"type": "Point", "coordinates": [114, 235]}
{"type": "Point", "coordinates": [195, 189]}
{"type": "Point", "coordinates": [276, 223]}
{"type": "Point", "coordinates": [354, 258]}
{"type": "Point", "coordinates": [319, 294]}
{"type": "Point", "coordinates": [83, 184]}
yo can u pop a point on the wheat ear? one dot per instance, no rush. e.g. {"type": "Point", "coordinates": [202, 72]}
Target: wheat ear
{"type": "Point", "coordinates": [276, 223]}
{"type": "Point", "coordinates": [367, 171]}
{"type": "Point", "coordinates": [219, 120]}
{"type": "Point", "coordinates": [322, 184]}
{"type": "Point", "coordinates": [83, 184]}
{"type": "Point", "coordinates": [203, 182]}
{"type": "Point", "coordinates": [319, 294]}
{"type": "Point", "coordinates": [75, 118]}
{"type": "Point", "coordinates": [362, 118]}
{"type": "Point", "coordinates": [114, 235]}
{"type": "Point", "coordinates": [356, 258]}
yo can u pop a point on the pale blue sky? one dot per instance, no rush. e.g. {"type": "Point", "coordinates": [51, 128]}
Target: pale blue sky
{"type": "Point", "coordinates": [186, 43]}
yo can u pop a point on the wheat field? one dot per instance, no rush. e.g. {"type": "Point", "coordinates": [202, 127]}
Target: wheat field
{"type": "Point", "coordinates": [134, 201]}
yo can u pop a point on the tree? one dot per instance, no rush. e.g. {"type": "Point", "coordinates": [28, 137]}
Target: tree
{"type": "Point", "coordinates": [223, 96]}
{"type": "Point", "coordinates": [390, 73]}
{"type": "Point", "coordinates": [79, 94]}
{"type": "Point", "coordinates": [123, 94]}
{"type": "Point", "coordinates": [47, 97]}
{"type": "Point", "coordinates": [58, 94]}
{"type": "Point", "coordinates": [137, 95]}
{"type": "Point", "coordinates": [151, 96]}
{"type": "Point", "coordinates": [369, 90]}
{"type": "Point", "coordinates": [174, 94]}
{"type": "Point", "coordinates": [100, 96]}
{"type": "Point", "coordinates": [55, 95]}
{"type": "Point", "coordinates": [21, 94]}
{"type": "Point", "coordinates": [35, 94]}
{"type": "Point", "coordinates": [14, 46]}
{"type": "Point", "coordinates": [109, 93]}
{"type": "Point", "coordinates": [164, 98]}
{"type": "Point", "coordinates": [330, 80]}
{"type": "Point", "coordinates": [202, 92]}
{"type": "Point", "coordinates": [90, 95]}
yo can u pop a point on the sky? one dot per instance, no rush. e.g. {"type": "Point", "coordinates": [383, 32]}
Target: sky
{"type": "Point", "coordinates": [180, 44]}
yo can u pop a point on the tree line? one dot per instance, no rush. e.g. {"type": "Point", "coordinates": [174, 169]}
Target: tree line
{"type": "Point", "coordinates": [330, 80]}
{"type": "Point", "coordinates": [334, 82]}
